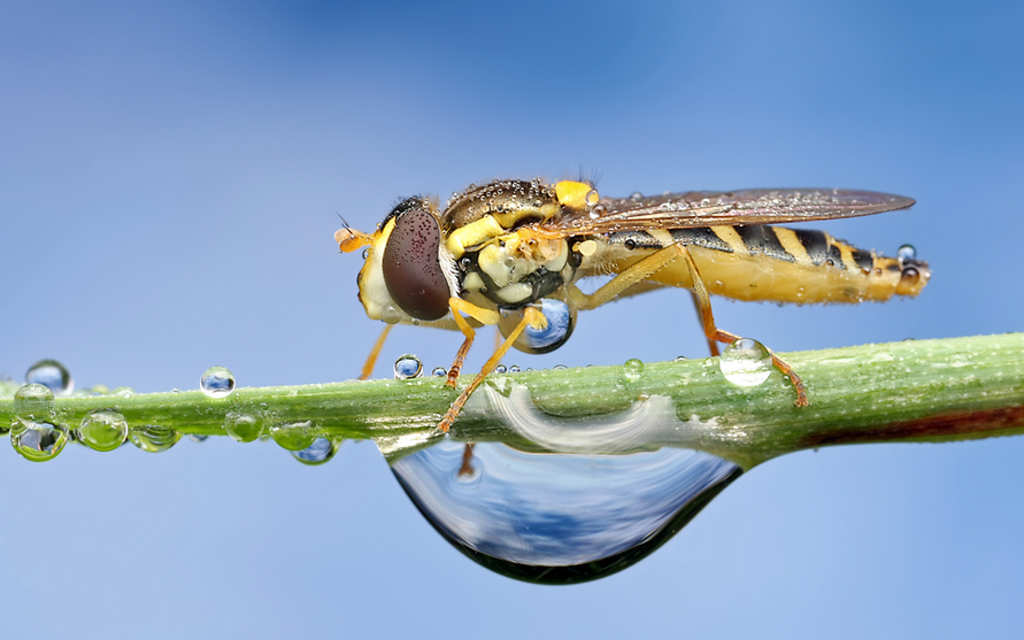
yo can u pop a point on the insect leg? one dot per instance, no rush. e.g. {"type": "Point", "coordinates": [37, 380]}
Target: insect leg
{"type": "Point", "coordinates": [712, 344]}
{"type": "Point", "coordinates": [713, 333]}
{"type": "Point", "coordinates": [484, 316]}
{"type": "Point", "coordinates": [531, 317]}
{"type": "Point", "coordinates": [371, 359]}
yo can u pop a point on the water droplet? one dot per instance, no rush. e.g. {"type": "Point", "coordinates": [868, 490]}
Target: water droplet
{"type": "Point", "coordinates": [501, 369]}
{"type": "Point", "coordinates": [439, 372]}
{"type": "Point", "coordinates": [514, 369]}
{"type": "Point", "coordinates": [559, 366]}
{"type": "Point", "coordinates": [407, 367]}
{"type": "Point", "coordinates": [907, 252]}
{"type": "Point", "coordinates": [319, 452]}
{"type": "Point", "coordinates": [294, 436]}
{"type": "Point", "coordinates": [51, 374]}
{"type": "Point", "coordinates": [102, 430]}
{"type": "Point", "coordinates": [636, 195]}
{"type": "Point", "coordinates": [152, 438]}
{"type": "Point", "coordinates": [746, 363]}
{"type": "Point", "coordinates": [561, 321]}
{"type": "Point", "coordinates": [243, 427]}
{"type": "Point", "coordinates": [123, 392]}
{"type": "Point", "coordinates": [593, 197]}
{"type": "Point", "coordinates": [681, 359]}
{"type": "Point", "coordinates": [198, 437]}
{"type": "Point", "coordinates": [633, 369]}
{"type": "Point", "coordinates": [391, 315]}
{"type": "Point", "coordinates": [559, 518]}
{"type": "Point", "coordinates": [37, 441]}
{"type": "Point", "coordinates": [33, 400]}
{"type": "Point", "coordinates": [217, 382]}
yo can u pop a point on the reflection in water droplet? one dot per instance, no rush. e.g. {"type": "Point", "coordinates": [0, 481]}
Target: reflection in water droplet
{"type": "Point", "coordinates": [217, 382]}
{"type": "Point", "coordinates": [746, 363]}
{"type": "Point", "coordinates": [102, 430]}
{"type": "Point", "coordinates": [319, 452]}
{"type": "Point", "coordinates": [243, 427]}
{"type": "Point", "coordinates": [51, 374]}
{"type": "Point", "coordinates": [906, 252]}
{"type": "Point", "coordinates": [37, 441]}
{"type": "Point", "coordinates": [561, 321]}
{"type": "Point", "coordinates": [294, 436]}
{"type": "Point", "coordinates": [559, 518]}
{"type": "Point", "coordinates": [408, 366]}
{"type": "Point", "coordinates": [198, 437]}
{"type": "Point", "coordinates": [439, 372]}
{"type": "Point", "coordinates": [636, 195]}
{"type": "Point", "coordinates": [152, 438]}
{"type": "Point", "coordinates": [500, 369]}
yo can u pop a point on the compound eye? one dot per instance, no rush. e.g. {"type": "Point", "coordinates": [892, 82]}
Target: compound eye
{"type": "Point", "coordinates": [412, 269]}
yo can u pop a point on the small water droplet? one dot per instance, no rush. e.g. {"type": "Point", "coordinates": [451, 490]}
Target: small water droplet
{"type": "Point", "coordinates": [51, 374]}
{"type": "Point", "coordinates": [152, 438]}
{"type": "Point", "coordinates": [559, 366]}
{"type": "Point", "coordinates": [514, 369]}
{"type": "Point", "coordinates": [407, 367]}
{"type": "Point", "coordinates": [439, 372]}
{"type": "Point", "coordinates": [217, 382]}
{"type": "Point", "coordinates": [102, 430]}
{"type": "Point", "coordinates": [33, 400]}
{"type": "Point", "coordinates": [906, 252]}
{"type": "Point", "coordinates": [319, 452]}
{"type": "Point", "coordinates": [37, 441]}
{"type": "Point", "coordinates": [123, 392]}
{"type": "Point", "coordinates": [681, 359]}
{"type": "Point", "coordinates": [636, 195]}
{"type": "Point", "coordinates": [243, 427]}
{"type": "Point", "coordinates": [633, 369]}
{"type": "Point", "coordinates": [294, 436]}
{"type": "Point", "coordinates": [501, 369]}
{"type": "Point", "coordinates": [592, 197]}
{"type": "Point", "coordinates": [746, 363]}
{"type": "Point", "coordinates": [198, 437]}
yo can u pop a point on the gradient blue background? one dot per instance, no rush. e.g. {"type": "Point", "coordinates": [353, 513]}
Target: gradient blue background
{"type": "Point", "coordinates": [169, 181]}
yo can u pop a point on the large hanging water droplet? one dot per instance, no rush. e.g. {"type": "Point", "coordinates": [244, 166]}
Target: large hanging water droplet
{"type": "Point", "coordinates": [243, 427]}
{"type": "Point", "coordinates": [152, 438]}
{"type": "Point", "coordinates": [51, 374]}
{"type": "Point", "coordinates": [217, 382]}
{"type": "Point", "coordinates": [746, 363]}
{"type": "Point", "coordinates": [407, 367]}
{"type": "Point", "coordinates": [559, 518]}
{"type": "Point", "coordinates": [102, 430]}
{"type": "Point", "coordinates": [37, 441]}
{"type": "Point", "coordinates": [561, 321]}
{"type": "Point", "coordinates": [319, 452]}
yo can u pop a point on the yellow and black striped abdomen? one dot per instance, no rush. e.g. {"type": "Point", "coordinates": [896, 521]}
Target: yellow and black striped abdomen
{"type": "Point", "coordinates": [772, 263]}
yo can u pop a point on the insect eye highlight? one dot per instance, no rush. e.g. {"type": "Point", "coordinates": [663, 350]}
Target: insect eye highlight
{"type": "Point", "coordinates": [411, 266]}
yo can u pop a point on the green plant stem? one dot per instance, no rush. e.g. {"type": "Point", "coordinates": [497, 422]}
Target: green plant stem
{"type": "Point", "coordinates": [913, 391]}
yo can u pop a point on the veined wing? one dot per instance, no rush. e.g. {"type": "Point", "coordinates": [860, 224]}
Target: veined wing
{"type": "Point", "coordinates": [708, 208]}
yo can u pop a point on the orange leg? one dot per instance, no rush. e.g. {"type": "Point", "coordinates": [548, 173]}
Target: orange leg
{"type": "Point", "coordinates": [531, 317]}
{"type": "Point", "coordinates": [371, 360]}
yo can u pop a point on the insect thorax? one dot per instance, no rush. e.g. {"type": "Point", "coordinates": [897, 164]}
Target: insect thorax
{"type": "Point", "coordinates": [516, 269]}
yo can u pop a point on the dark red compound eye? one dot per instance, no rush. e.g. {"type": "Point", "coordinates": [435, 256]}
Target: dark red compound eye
{"type": "Point", "coordinates": [412, 269]}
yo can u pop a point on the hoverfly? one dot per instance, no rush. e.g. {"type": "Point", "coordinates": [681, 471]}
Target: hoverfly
{"type": "Point", "coordinates": [500, 250]}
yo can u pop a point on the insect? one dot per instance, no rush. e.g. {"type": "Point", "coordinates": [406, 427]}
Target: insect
{"type": "Point", "coordinates": [497, 254]}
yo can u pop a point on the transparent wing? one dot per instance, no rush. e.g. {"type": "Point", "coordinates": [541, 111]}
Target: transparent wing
{"type": "Point", "coordinates": [707, 208]}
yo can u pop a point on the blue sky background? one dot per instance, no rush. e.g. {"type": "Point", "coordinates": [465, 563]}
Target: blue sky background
{"type": "Point", "coordinates": [170, 175]}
